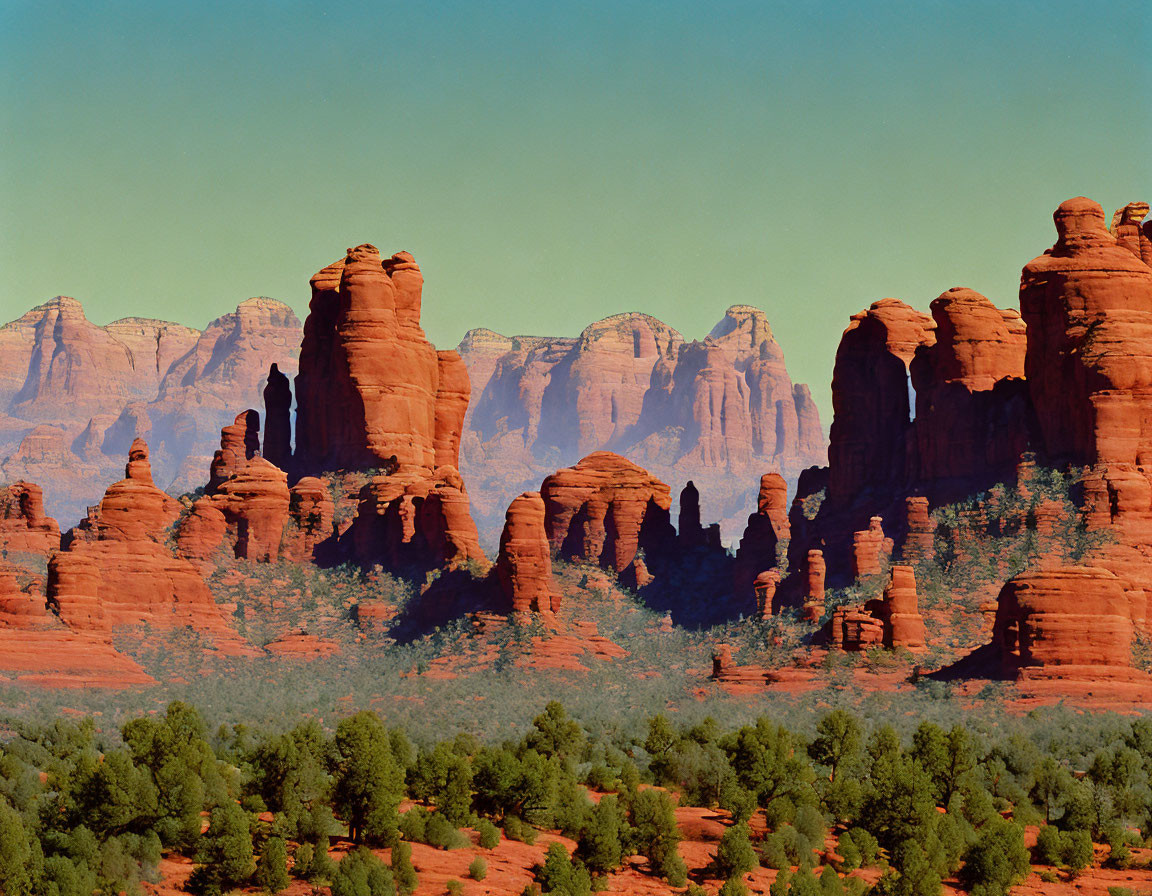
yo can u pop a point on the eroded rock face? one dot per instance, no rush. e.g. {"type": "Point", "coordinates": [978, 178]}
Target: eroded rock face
{"type": "Point", "coordinates": [632, 385]}
{"type": "Point", "coordinates": [1132, 231]}
{"type": "Point", "coordinates": [255, 503]}
{"type": "Point", "coordinates": [1088, 306]}
{"type": "Point", "coordinates": [764, 586]}
{"type": "Point", "coordinates": [37, 648]}
{"type": "Point", "coordinates": [920, 531]}
{"type": "Point", "coordinates": [311, 508]}
{"type": "Point", "coordinates": [766, 536]}
{"type": "Point", "coordinates": [239, 443]}
{"type": "Point", "coordinates": [604, 509]}
{"type": "Point", "coordinates": [868, 443]}
{"type": "Point", "coordinates": [247, 502]}
{"type": "Point", "coordinates": [972, 421]}
{"type": "Point", "coordinates": [98, 388]}
{"type": "Point", "coordinates": [1067, 622]}
{"type": "Point", "coordinates": [870, 549]}
{"type": "Point", "coordinates": [524, 566]}
{"type": "Point", "coordinates": [369, 379]}
{"type": "Point", "coordinates": [24, 527]}
{"type": "Point", "coordinates": [972, 407]}
{"type": "Point", "coordinates": [374, 395]}
{"type": "Point", "coordinates": [116, 569]}
{"type": "Point", "coordinates": [75, 367]}
{"type": "Point", "coordinates": [891, 621]}
{"type": "Point", "coordinates": [410, 522]}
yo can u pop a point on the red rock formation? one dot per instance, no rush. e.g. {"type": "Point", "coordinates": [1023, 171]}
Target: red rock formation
{"type": "Point", "coordinates": [972, 418]}
{"type": "Point", "coordinates": [772, 502]}
{"type": "Point", "coordinates": [765, 541]}
{"type": "Point", "coordinates": [154, 346]}
{"type": "Point", "coordinates": [23, 525]}
{"type": "Point", "coordinates": [100, 388]}
{"type": "Point", "coordinates": [1088, 306]}
{"type": "Point", "coordinates": [972, 408]}
{"type": "Point", "coordinates": [814, 574]}
{"type": "Point", "coordinates": [631, 385]}
{"type": "Point", "coordinates": [899, 610]}
{"type": "Point", "coordinates": [1068, 622]}
{"type": "Point", "coordinates": [277, 448]}
{"type": "Point", "coordinates": [369, 379]}
{"type": "Point", "coordinates": [374, 394]}
{"type": "Point", "coordinates": [870, 549]}
{"type": "Point", "coordinates": [891, 621]}
{"type": "Point", "coordinates": [255, 504]}
{"type": "Point", "coordinates": [75, 367]}
{"type": "Point", "coordinates": [854, 629]}
{"type": "Point", "coordinates": [1129, 233]}
{"type": "Point", "coordinates": [36, 648]}
{"type": "Point", "coordinates": [920, 540]}
{"type": "Point", "coordinates": [239, 443]}
{"type": "Point", "coordinates": [524, 566]}
{"type": "Point", "coordinates": [116, 569]}
{"type": "Point", "coordinates": [312, 510]}
{"type": "Point", "coordinates": [764, 587]}
{"type": "Point", "coordinates": [408, 521]}
{"type": "Point", "coordinates": [604, 509]}
{"type": "Point", "coordinates": [201, 533]}
{"type": "Point", "coordinates": [597, 393]}
{"type": "Point", "coordinates": [868, 440]}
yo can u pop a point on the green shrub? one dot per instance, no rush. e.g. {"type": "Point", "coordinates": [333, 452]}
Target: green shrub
{"type": "Point", "coordinates": [1077, 851]}
{"type": "Point", "coordinates": [734, 854]}
{"type": "Point", "coordinates": [413, 824]}
{"type": "Point", "coordinates": [520, 831]}
{"type": "Point", "coordinates": [454, 887]}
{"type": "Point", "coordinates": [1049, 845]}
{"type": "Point", "coordinates": [478, 869]}
{"type": "Point", "coordinates": [402, 870]}
{"type": "Point", "coordinates": [489, 834]}
{"type": "Point", "coordinates": [272, 868]}
{"type": "Point", "coordinates": [442, 834]}
{"type": "Point", "coordinates": [867, 845]}
{"type": "Point", "coordinates": [360, 873]}
{"type": "Point", "coordinates": [997, 860]}
{"type": "Point", "coordinates": [850, 858]}
{"type": "Point", "coordinates": [733, 887]}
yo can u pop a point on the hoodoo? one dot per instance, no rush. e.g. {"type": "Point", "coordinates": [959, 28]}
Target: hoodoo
{"type": "Point", "coordinates": [117, 570]}
{"type": "Point", "coordinates": [373, 395]}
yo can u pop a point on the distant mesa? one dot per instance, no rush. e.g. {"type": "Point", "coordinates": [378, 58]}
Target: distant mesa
{"type": "Point", "coordinates": [712, 411]}
{"type": "Point", "coordinates": [73, 395]}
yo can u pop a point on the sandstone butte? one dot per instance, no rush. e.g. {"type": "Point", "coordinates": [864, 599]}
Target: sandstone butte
{"type": "Point", "coordinates": [604, 510]}
{"type": "Point", "coordinates": [713, 411]}
{"type": "Point", "coordinates": [116, 570]}
{"type": "Point", "coordinates": [35, 646]}
{"type": "Point", "coordinates": [73, 395]}
{"type": "Point", "coordinates": [377, 406]}
{"type": "Point", "coordinates": [1069, 379]}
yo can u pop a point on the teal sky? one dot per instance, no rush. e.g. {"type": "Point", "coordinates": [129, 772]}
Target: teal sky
{"type": "Point", "coordinates": [553, 163]}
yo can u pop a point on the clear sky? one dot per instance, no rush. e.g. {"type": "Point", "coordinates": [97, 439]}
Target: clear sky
{"type": "Point", "coordinates": [551, 163]}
